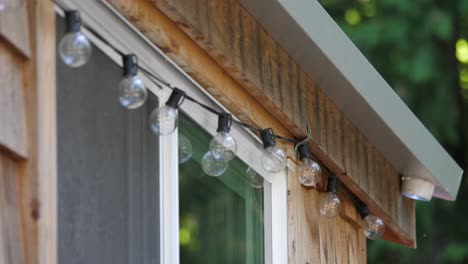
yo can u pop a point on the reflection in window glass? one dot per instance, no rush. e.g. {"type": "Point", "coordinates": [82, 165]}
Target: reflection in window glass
{"type": "Point", "coordinates": [221, 218]}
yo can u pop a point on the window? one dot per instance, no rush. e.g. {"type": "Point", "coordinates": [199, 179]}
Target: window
{"type": "Point", "coordinates": [250, 222]}
{"type": "Point", "coordinates": [221, 218]}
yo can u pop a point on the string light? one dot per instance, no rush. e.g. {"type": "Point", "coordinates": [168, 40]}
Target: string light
{"type": "Point", "coordinates": [74, 48]}
{"type": "Point", "coordinates": [212, 166]}
{"type": "Point", "coordinates": [330, 203]}
{"type": "Point", "coordinates": [310, 172]}
{"type": "Point", "coordinates": [255, 180]}
{"type": "Point", "coordinates": [132, 91]}
{"type": "Point", "coordinates": [273, 158]}
{"type": "Point", "coordinates": [372, 226]}
{"type": "Point", "coordinates": [223, 146]}
{"type": "Point", "coordinates": [164, 119]}
{"type": "Point", "coordinates": [75, 52]}
{"type": "Point", "coordinates": [185, 149]}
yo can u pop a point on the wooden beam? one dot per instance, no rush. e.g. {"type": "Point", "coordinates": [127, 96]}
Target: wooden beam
{"type": "Point", "coordinates": [228, 53]}
{"type": "Point", "coordinates": [189, 56]}
{"type": "Point", "coordinates": [27, 133]}
{"type": "Point", "coordinates": [45, 75]}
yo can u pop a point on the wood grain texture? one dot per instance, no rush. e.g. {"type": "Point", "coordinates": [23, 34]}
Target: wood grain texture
{"type": "Point", "coordinates": [315, 239]}
{"type": "Point", "coordinates": [29, 58]}
{"type": "Point", "coordinates": [11, 244]}
{"type": "Point", "coordinates": [190, 57]}
{"type": "Point", "coordinates": [254, 77]}
{"type": "Point", "coordinates": [12, 107]}
{"type": "Point", "coordinates": [46, 116]}
{"type": "Point", "coordinates": [14, 27]}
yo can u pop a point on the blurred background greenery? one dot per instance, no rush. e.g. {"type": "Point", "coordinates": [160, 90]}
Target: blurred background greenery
{"type": "Point", "coordinates": [421, 48]}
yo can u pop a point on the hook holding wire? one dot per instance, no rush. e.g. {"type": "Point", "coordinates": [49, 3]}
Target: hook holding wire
{"type": "Point", "coordinates": [304, 141]}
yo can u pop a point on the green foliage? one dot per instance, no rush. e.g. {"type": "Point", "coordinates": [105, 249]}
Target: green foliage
{"type": "Point", "coordinates": [413, 45]}
{"type": "Point", "coordinates": [455, 253]}
{"type": "Point", "coordinates": [440, 23]}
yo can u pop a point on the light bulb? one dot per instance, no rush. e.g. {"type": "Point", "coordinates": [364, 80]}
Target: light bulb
{"type": "Point", "coordinates": [309, 172]}
{"type": "Point", "coordinates": [132, 91]}
{"type": "Point", "coordinates": [273, 159]}
{"type": "Point", "coordinates": [163, 120]}
{"type": "Point", "coordinates": [212, 166]}
{"type": "Point", "coordinates": [74, 48]}
{"type": "Point", "coordinates": [185, 149]}
{"type": "Point", "coordinates": [373, 227]}
{"type": "Point", "coordinates": [223, 146]}
{"type": "Point", "coordinates": [329, 205]}
{"type": "Point", "coordinates": [255, 180]}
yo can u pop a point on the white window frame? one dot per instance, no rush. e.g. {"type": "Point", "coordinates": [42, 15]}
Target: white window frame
{"type": "Point", "coordinates": [116, 30]}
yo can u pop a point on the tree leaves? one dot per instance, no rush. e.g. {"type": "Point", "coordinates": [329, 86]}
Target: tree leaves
{"type": "Point", "coordinates": [440, 23]}
{"type": "Point", "coordinates": [422, 65]}
{"type": "Point", "coordinates": [412, 44]}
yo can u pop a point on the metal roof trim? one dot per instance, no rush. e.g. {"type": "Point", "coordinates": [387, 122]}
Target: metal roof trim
{"type": "Point", "coordinates": [313, 39]}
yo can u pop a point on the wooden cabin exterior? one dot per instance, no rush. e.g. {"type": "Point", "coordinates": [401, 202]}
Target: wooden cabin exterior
{"type": "Point", "coordinates": [67, 151]}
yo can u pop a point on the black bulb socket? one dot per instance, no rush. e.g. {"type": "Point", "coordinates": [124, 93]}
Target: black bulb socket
{"type": "Point", "coordinates": [304, 152]}
{"type": "Point", "coordinates": [332, 183]}
{"type": "Point", "coordinates": [72, 21]}
{"type": "Point", "coordinates": [224, 122]}
{"type": "Point", "coordinates": [267, 138]}
{"type": "Point", "coordinates": [130, 64]}
{"type": "Point", "coordinates": [362, 209]}
{"type": "Point", "coordinates": [175, 98]}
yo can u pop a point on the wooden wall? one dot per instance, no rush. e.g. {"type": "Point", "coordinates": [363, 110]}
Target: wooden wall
{"type": "Point", "coordinates": [27, 134]}
{"type": "Point", "coordinates": [222, 47]}
{"type": "Point", "coordinates": [316, 239]}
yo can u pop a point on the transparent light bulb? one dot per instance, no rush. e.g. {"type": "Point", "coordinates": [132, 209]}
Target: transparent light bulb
{"type": "Point", "coordinates": [185, 149]}
{"type": "Point", "coordinates": [273, 159]}
{"type": "Point", "coordinates": [223, 146]}
{"type": "Point", "coordinates": [309, 172]}
{"type": "Point", "coordinates": [255, 180]}
{"type": "Point", "coordinates": [212, 166]}
{"type": "Point", "coordinates": [373, 227]}
{"type": "Point", "coordinates": [132, 92]}
{"type": "Point", "coordinates": [75, 49]}
{"type": "Point", "coordinates": [163, 120]}
{"type": "Point", "coordinates": [329, 204]}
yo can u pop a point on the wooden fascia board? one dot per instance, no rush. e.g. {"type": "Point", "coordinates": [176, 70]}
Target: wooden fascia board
{"type": "Point", "coordinates": [323, 50]}
{"type": "Point", "coordinates": [215, 70]}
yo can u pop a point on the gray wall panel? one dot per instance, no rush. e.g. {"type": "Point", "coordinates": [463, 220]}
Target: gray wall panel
{"type": "Point", "coordinates": [107, 169]}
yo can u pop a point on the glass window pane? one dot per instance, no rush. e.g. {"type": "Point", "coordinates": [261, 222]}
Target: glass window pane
{"type": "Point", "coordinates": [221, 218]}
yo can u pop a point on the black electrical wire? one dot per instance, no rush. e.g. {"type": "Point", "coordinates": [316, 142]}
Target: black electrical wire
{"type": "Point", "coordinates": [159, 82]}
{"type": "Point", "coordinates": [256, 129]}
{"type": "Point", "coordinates": [292, 140]}
{"type": "Point", "coordinates": [360, 206]}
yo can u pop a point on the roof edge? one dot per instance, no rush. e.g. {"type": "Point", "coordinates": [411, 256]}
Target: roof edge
{"type": "Point", "coordinates": [314, 40]}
